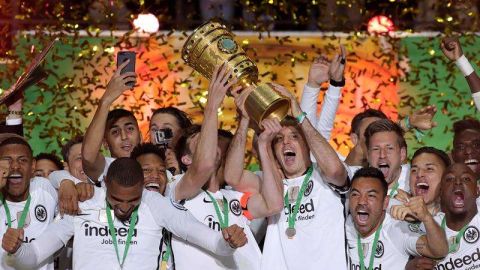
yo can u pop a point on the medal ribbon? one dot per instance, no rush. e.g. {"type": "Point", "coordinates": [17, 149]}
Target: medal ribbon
{"type": "Point", "coordinates": [21, 221]}
{"type": "Point", "coordinates": [372, 253]}
{"type": "Point", "coordinates": [111, 228]}
{"type": "Point", "coordinates": [166, 256]}
{"type": "Point", "coordinates": [223, 220]}
{"type": "Point", "coordinates": [452, 248]}
{"type": "Point", "coordinates": [292, 216]}
{"type": "Point", "coordinates": [394, 189]}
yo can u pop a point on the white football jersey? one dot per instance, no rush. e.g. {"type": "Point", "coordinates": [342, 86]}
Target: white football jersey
{"type": "Point", "coordinates": [468, 254]}
{"type": "Point", "coordinates": [188, 256]}
{"type": "Point", "coordinates": [319, 242]}
{"type": "Point", "coordinates": [42, 209]}
{"type": "Point", "coordinates": [396, 244]}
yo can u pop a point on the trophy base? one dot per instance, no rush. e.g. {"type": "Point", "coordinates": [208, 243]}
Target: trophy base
{"type": "Point", "coordinates": [264, 102]}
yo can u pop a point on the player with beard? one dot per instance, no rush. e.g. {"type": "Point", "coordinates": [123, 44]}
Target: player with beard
{"type": "Point", "coordinates": [120, 227]}
{"type": "Point", "coordinates": [28, 205]}
{"type": "Point", "coordinates": [386, 151]}
{"type": "Point", "coordinates": [460, 221]}
{"type": "Point", "coordinates": [375, 240]}
{"type": "Point", "coordinates": [466, 144]}
{"type": "Point", "coordinates": [211, 203]}
{"type": "Point", "coordinates": [308, 233]}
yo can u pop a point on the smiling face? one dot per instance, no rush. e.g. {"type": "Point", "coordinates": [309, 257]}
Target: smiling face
{"type": "Point", "coordinates": [459, 190]}
{"type": "Point", "coordinates": [123, 136]}
{"type": "Point", "coordinates": [291, 151]}
{"type": "Point", "coordinates": [466, 149]}
{"type": "Point", "coordinates": [386, 154]}
{"type": "Point", "coordinates": [367, 203]}
{"type": "Point", "coordinates": [155, 177]}
{"type": "Point", "coordinates": [22, 165]}
{"type": "Point", "coordinates": [425, 176]}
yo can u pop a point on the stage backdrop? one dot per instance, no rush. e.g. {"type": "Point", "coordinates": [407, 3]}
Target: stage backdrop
{"type": "Point", "coordinates": [397, 75]}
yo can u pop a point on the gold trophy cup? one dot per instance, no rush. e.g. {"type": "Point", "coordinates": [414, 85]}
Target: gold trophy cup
{"type": "Point", "coordinates": [212, 44]}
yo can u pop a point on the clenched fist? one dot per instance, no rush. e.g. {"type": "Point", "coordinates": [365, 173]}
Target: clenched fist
{"type": "Point", "coordinates": [235, 236]}
{"type": "Point", "coordinates": [12, 239]}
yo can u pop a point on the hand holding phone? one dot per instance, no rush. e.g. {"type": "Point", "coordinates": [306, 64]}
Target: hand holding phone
{"type": "Point", "coordinates": [124, 56]}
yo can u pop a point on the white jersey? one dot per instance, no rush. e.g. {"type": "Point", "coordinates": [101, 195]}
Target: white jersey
{"type": "Point", "coordinates": [41, 212]}
{"type": "Point", "coordinates": [396, 244]}
{"type": "Point", "coordinates": [319, 242]}
{"type": "Point", "coordinates": [93, 246]}
{"type": "Point", "coordinates": [202, 208]}
{"type": "Point", "coordinates": [468, 255]}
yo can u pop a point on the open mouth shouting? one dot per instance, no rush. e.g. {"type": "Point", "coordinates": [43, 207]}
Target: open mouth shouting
{"type": "Point", "coordinates": [361, 216]}
{"type": "Point", "coordinates": [384, 167]}
{"type": "Point", "coordinates": [289, 156]}
{"type": "Point", "coordinates": [421, 188]}
{"type": "Point", "coordinates": [472, 163]}
{"type": "Point", "coordinates": [458, 198]}
{"type": "Point", "coordinates": [15, 178]}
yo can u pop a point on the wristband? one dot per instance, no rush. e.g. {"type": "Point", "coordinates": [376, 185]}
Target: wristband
{"type": "Point", "coordinates": [301, 117]}
{"type": "Point", "coordinates": [464, 65]}
{"type": "Point", "coordinates": [338, 84]}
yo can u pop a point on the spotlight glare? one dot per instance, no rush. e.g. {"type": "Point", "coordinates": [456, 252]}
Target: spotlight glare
{"type": "Point", "coordinates": [380, 25]}
{"type": "Point", "coordinates": [147, 23]}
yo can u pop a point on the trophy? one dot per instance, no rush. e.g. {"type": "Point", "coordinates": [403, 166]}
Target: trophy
{"type": "Point", "coordinates": [212, 44]}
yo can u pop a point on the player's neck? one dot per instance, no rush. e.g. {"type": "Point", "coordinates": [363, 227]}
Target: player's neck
{"type": "Point", "coordinates": [16, 198]}
{"type": "Point", "coordinates": [213, 185]}
{"type": "Point", "coordinates": [433, 208]}
{"type": "Point", "coordinates": [375, 228]}
{"type": "Point", "coordinates": [356, 158]}
{"type": "Point", "coordinates": [457, 222]}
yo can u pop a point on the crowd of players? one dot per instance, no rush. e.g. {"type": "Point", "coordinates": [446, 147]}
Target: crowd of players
{"type": "Point", "coordinates": [191, 204]}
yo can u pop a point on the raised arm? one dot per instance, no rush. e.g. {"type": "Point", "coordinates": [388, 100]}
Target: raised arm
{"type": "Point", "coordinates": [203, 164]}
{"type": "Point", "coordinates": [270, 200]}
{"type": "Point", "coordinates": [92, 159]}
{"type": "Point", "coordinates": [235, 175]}
{"type": "Point", "coordinates": [327, 159]}
{"type": "Point", "coordinates": [452, 49]}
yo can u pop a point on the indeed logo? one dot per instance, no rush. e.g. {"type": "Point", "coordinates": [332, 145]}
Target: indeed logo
{"type": "Point", "coordinates": [459, 263]}
{"type": "Point", "coordinates": [211, 223]}
{"type": "Point", "coordinates": [303, 208]}
{"type": "Point", "coordinates": [353, 266]}
{"type": "Point", "coordinates": [104, 231]}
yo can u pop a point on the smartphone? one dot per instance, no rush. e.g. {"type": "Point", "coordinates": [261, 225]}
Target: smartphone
{"type": "Point", "coordinates": [124, 56]}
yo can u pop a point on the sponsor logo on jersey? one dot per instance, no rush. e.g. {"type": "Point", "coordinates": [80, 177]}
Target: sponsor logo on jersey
{"type": "Point", "coordinates": [92, 229]}
{"type": "Point", "coordinates": [212, 223]}
{"type": "Point", "coordinates": [41, 213]}
{"type": "Point", "coordinates": [235, 207]}
{"type": "Point", "coordinates": [467, 262]}
{"type": "Point", "coordinates": [309, 188]}
{"type": "Point", "coordinates": [471, 235]}
{"type": "Point", "coordinates": [352, 266]}
{"type": "Point", "coordinates": [379, 250]}
{"type": "Point", "coordinates": [307, 207]}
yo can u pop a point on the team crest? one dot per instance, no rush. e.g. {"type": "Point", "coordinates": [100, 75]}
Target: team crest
{"type": "Point", "coordinates": [414, 227]}
{"type": "Point", "coordinates": [127, 222]}
{"type": "Point", "coordinates": [40, 213]}
{"type": "Point", "coordinates": [178, 206]}
{"type": "Point", "coordinates": [309, 188]}
{"type": "Point", "coordinates": [235, 207]}
{"type": "Point", "coordinates": [471, 235]}
{"type": "Point", "coordinates": [380, 250]}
